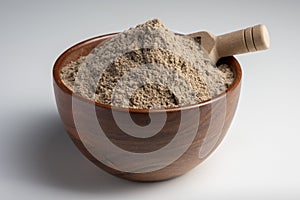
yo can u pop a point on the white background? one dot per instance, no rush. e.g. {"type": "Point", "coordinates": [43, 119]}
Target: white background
{"type": "Point", "coordinates": [259, 157]}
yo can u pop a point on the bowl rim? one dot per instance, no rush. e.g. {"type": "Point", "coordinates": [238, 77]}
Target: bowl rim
{"type": "Point", "coordinates": [58, 65]}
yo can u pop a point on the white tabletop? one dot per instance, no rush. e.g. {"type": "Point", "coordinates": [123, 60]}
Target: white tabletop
{"type": "Point", "coordinates": [259, 157]}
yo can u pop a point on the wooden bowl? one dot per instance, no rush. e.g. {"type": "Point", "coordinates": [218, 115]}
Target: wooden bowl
{"type": "Point", "coordinates": [190, 133]}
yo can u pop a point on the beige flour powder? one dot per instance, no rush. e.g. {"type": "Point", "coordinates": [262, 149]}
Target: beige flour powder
{"type": "Point", "coordinates": [147, 67]}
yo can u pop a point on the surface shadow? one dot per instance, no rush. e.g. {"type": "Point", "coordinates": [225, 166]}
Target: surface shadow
{"type": "Point", "coordinates": [46, 155]}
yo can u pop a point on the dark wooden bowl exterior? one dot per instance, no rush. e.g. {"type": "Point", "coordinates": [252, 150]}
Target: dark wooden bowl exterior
{"type": "Point", "coordinates": [186, 162]}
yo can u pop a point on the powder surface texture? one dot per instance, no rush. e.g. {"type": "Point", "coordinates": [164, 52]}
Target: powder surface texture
{"type": "Point", "coordinates": [147, 67]}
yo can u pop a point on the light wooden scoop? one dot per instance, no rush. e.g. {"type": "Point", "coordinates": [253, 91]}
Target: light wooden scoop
{"type": "Point", "coordinates": [251, 39]}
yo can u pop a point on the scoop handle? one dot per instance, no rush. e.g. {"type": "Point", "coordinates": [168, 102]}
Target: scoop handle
{"type": "Point", "coordinates": [251, 39]}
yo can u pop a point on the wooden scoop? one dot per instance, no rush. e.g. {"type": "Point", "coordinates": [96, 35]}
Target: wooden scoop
{"type": "Point", "coordinates": [251, 39]}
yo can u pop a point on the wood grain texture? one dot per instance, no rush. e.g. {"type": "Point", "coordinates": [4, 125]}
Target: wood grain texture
{"type": "Point", "coordinates": [187, 161]}
{"type": "Point", "coordinates": [251, 39]}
